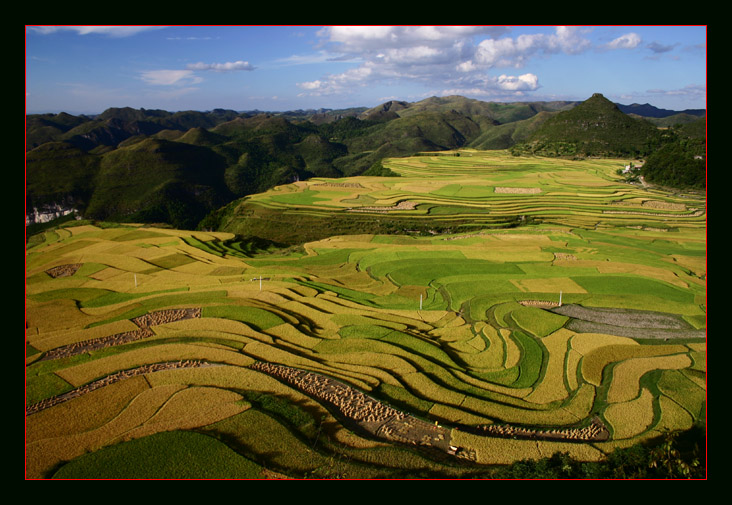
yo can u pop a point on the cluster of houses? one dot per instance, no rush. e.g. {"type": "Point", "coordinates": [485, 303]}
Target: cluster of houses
{"type": "Point", "coordinates": [632, 167]}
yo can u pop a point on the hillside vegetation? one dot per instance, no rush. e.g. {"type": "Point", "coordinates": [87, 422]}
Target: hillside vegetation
{"type": "Point", "coordinates": [595, 127]}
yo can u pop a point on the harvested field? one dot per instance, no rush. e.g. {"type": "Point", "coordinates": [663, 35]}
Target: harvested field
{"type": "Point", "coordinates": [627, 323]}
{"type": "Point", "coordinates": [518, 191]}
{"type": "Point", "coordinates": [373, 416]}
{"type": "Point", "coordinates": [400, 206]}
{"type": "Point", "coordinates": [63, 270]}
{"type": "Point", "coordinates": [595, 432]}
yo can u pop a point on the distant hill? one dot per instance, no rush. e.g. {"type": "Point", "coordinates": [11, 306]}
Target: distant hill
{"type": "Point", "coordinates": [595, 127]}
{"type": "Point", "coordinates": [176, 167]}
{"type": "Point", "coordinates": [674, 120]}
{"type": "Point", "coordinates": [649, 111]}
{"type": "Point", "coordinates": [505, 136]}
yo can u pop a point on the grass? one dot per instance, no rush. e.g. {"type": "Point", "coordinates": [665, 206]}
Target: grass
{"type": "Point", "coordinates": [176, 454]}
{"type": "Point", "coordinates": [259, 319]}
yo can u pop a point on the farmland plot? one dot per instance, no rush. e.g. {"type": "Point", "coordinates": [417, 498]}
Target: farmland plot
{"type": "Point", "coordinates": [474, 348]}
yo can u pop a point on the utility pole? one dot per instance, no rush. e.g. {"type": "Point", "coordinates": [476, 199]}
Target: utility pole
{"type": "Point", "coordinates": [560, 298]}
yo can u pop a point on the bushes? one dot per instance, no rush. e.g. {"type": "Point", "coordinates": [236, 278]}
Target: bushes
{"type": "Point", "coordinates": [673, 456]}
{"type": "Point", "coordinates": [681, 164]}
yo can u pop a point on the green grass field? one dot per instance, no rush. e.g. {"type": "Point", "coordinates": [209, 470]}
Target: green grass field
{"type": "Point", "coordinates": [453, 328]}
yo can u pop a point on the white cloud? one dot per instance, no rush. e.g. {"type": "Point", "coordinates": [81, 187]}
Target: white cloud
{"type": "Point", "coordinates": [361, 39]}
{"type": "Point", "coordinates": [222, 67]}
{"type": "Point", "coordinates": [169, 77]}
{"type": "Point", "coordinates": [312, 85]}
{"type": "Point", "coordinates": [110, 31]}
{"type": "Point", "coordinates": [627, 41]}
{"type": "Point", "coordinates": [508, 52]}
{"type": "Point", "coordinates": [440, 56]}
{"type": "Point", "coordinates": [525, 82]}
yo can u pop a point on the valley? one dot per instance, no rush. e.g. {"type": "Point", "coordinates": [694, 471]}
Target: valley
{"type": "Point", "coordinates": [474, 310]}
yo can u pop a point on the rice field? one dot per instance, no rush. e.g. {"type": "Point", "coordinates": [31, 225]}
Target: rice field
{"type": "Point", "coordinates": [543, 327]}
{"type": "Point", "coordinates": [491, 188]}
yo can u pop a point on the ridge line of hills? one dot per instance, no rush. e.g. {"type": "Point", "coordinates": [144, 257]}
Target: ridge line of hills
{"type": "Point", "coordinates": [177, 167]}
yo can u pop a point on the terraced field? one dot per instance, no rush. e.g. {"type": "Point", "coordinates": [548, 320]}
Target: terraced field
{"type": "Point", "coordinates": [155, 352]}
{"type": "Point", "coordinates": [464, 191]}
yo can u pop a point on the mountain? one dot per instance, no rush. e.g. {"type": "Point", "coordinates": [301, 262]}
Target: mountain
{"type": "Point", "coordinates": [596, 127]}
{"type": "Point", "coordinates": [648, 111]}
{"type": "Point", "coordinates": [151, 165]}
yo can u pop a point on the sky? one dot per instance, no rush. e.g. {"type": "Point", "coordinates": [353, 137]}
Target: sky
{"type": "Point", "coordinates": [88, 69]}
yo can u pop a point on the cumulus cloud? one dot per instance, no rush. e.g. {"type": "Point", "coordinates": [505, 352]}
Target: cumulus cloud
{"type": "Point", "coordinates": [525, 82]}
{"type": "Point", "coordinates": [508, 52]}
{"type": "Point", "coordinates": [627, 41]}
{"type": "Point", "coordinates": [232, 66]}
{"type": "Point", "coordinates": [438, 56]}
{"type": "Point", "coordinates": [363, 39]}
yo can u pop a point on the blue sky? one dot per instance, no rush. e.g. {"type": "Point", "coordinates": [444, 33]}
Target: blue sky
{"type": "Point", "coordinates": [80, 69]}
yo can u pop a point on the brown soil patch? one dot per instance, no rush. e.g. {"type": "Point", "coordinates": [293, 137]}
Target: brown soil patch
{"type": "Point", "coordinates": [595, 432]}
{"type": "Point", "coordinates": [539, 303]}
{"type": "Point", "coordinates": [627, 323]}
{"type": "Point", "coordinates": [63, 270]}
{"type": "Point", "coordinates": [383, 210]}
{"type": "Point", "coordinates": [354, 185]}
{"type": "Point", "coordinates": [655, 204]}
{"type": "Point", "coordinates": [517, 191]}
{"type": "Point", "coordinates": [166, 316]}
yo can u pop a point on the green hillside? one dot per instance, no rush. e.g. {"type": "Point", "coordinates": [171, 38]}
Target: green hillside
{"type": "Point", "coordinates": [681, 162]}
{"type": "Point", "coordinates": [163, 182]}
{"type": "Point", "coordinates": [505, 136]}
{"type": "Point", "coordinates": [596, 127]}
{"type": "Point", "coordinates": [59, 172]}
